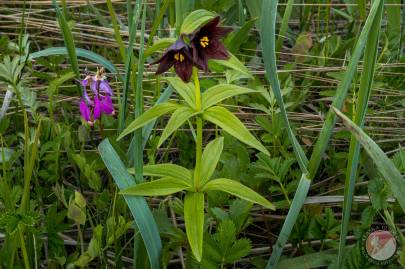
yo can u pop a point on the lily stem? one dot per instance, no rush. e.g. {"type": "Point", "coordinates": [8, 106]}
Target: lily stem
{"type": "Point", "coordinates": [198, 156]}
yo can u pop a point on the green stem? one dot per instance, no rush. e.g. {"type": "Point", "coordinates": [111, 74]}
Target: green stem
{"type": "Point", "coordinates": [198, 154]}
{"type": "Point", "coordinates": [24, 250]}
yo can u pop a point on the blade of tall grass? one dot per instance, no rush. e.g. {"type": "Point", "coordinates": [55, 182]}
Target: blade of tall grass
{"type": "Point", "coordinates": [157, 21]}
{"type": "Point", "coordinates": [268, 18]}
{"type": "Point", "coordinates": [394, 27]}
{"type": "Point", "coordinates": [267, 34]}
{"type": "Point", "coordinates": [282, 34]}
{"type": "Point", "coordinates": [127, 76]}
{"type": "Point", "coordinates": [366, 81]}
{"type": "Point", "coordinates": [138, 206]}
{"type": "Point", "coordinates": [385, 166]}
{"type": "Point", "coordinates": [68, 39]}
{"type": "Point", "coordinates": [116, 28]}
{"type": "Point", "coordinates": [361, 4]}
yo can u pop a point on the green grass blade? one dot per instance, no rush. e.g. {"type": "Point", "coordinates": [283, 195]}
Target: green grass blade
{"type": "Point", "coordinates": [282, 34]}
{"type": "Point", "coordinates": [69, 41]}
{"type": "Point", "coordinates": [137, 205]}
{"type": "Point", "coordinates": [157, 21]}
{"type": "Point", "coordinates": [267, 34]}
{"type": "Point", "coordinates": [138, 149]}
{"type": "Point", "coordinates": [128, 65]}
{"type": "Point", "coordinates": [385, 166]}
{"type": "Point", "coordinates": [296, 205]}
{"type": "Point", "coordinates": [361, 4]}
{"type": "Point", "coordinates": [89, 55]}
{"type": "Point", "coordinates": [116, 28]}
{"type": "Point", "coordinates": [370, 57]}
{"type": "Point", "coordinates": [341, 93]}
{"type": "Point", "coordinates": [394, 27]}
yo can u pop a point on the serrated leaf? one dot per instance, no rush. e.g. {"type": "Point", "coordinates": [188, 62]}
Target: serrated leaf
{"type": "Point", "coordinates": [218, 93]}
{"type": "Point", "coordinates": [178, 118]}
{"type": "Point", "coordinates": [210, 158]}
{"type": "Point", "coordinates": [237, 189]}
{"type": "Point", "coordinates": [194, 221]}
{"type": "Point", "coordinates": [232, 125]}
{"type": "Point", "coordinates": [148, 116]}
{"type": "Point", "coordinates": [163, 186]}
{"type": "Point", "coordinates": [196, 19]}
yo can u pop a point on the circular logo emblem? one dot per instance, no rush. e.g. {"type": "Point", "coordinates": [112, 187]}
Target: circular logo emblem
{"type": "Point", "coordinates": [380, 245]}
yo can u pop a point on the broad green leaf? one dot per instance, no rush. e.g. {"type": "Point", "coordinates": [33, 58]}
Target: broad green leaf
{"type": "Point", "coordinates": [196, 19]}
{"type": "Point", "coordinates": [185, 90]}
{"type": "Point", "coordinates": [148, 116]}
{"type": "Point", "coordinates": [166, 170]}
{"type": "Point", "coordinates": [139, 208]}
{"type": "Point", "coordinates": [163, 186]}
{"type": "Point", "coordinates": [218, 93]}
{"type": "Point", "coordinates": [210, 158]}
{"type": "Point", "coordinates": [232, 125]}
{"type": "Point", "coordinates": [383, 163]}
{"type": "Point", "coordinates": [194, 221]}
{"type": "Point", "coordinates": [237, 189]}
{"type": "Point", "coordinates": [160, 44]}
{"type": "Point", "coordinates": [235, 64]}
{"type": "Point", "coordinates": [178, 118]}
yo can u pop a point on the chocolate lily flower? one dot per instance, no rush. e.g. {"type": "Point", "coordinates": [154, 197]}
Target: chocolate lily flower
{"type": "Point", "coordinates": [206, 43]}
{"type": "Point", "coordinates": [179, 55]}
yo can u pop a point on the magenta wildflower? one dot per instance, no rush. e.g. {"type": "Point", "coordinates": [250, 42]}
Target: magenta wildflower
{"type": "Point", "coordinates": [92, 109]}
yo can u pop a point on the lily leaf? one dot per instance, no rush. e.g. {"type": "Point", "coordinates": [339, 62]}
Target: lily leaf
{"type": "Point", "coordinates": [232, 125]}
{"type": "Point", "coordinates": [185, 90]}
{"type": "Point", "coordinates": [179, 117]}
{"type": "Point", "coordinates": [148, 116]}
{"type": "Point", "coordinates": [194, 220]}
{"type": "Point", "coordinates": [163, 186]}
{"type": "Point", "coordinates": [218, 93]}
{"type": "Point", "coordinates": [210, 158]}
{"type": "Point", "coordinates": [196, 19]}
{"type": "Point", "coordinates": [237, 189]}
{"type": "Point", "coordinates": [166, 170]}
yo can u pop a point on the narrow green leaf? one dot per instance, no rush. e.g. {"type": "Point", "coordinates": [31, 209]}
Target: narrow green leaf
{"type": "Point", "coordinates": [68, 39]}
{"type": "Point", "coordinates": [159, 187]}
{"type": "Point", "coordinates": [366, 81]}
{"type": "Point", "coordinates": [232, 125]}
{"type": "Point", "coordinates": [382, 162]}
{"type": "Point", "coordinates": [117, 34]}
{"type": "Point", "coordinates": [292, 216]}
{"type": "Point", "coordinates": [157, 22]}
{"type": "Point", "coordinates": [185, 90]}
{"type": "Point", "coordinates": [282, 34]}
{"type": "Point", "coordinates": [196, 19]}
{"type": "Point", "coordinates": [237, 189]}
{"type": "Point", "coordinates": [194, 221]}
{"type": "Point", "coordinates": [240, 36]}
{"type": "Point", "coordinates": [234, 64]}
{"type": "Point", "coordinates": [178, 118]}
{"type": "Point", "coordinates": [210, 158]}
{"type": "Point", "coordinates": [218, 93]}
{"type": "Point", "coordinates": [168, 170]}
{"type": "Point", "coordinates": [148, 116]}
{"type": "Point", "coordinates": [362, 8]}
{"type": "Point", "coordinates": [139, 208]}
{"type": "Point", "coordinates": [268, 38]}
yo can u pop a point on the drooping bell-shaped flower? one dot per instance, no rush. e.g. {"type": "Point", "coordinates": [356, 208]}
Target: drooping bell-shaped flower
{"type": "Point", "coordinates": [206, 43]}
{"type": "Point", "coordinates": [178, 55]}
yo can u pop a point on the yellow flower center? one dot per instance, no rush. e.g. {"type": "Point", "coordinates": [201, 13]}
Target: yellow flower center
{"type": "Point", "coordinates": [179, 57]}
{"type": "Point", "coordinates": [204, 41]}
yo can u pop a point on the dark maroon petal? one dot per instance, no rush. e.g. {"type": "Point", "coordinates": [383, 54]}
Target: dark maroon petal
{"type": "Point", "coordinates": [216, 50]}
{"type": "Point", "coordinates": [165, 63]}
{"type": "Point", "coordinates": [210, 26]}
{"type": "Point", "coordinates": [199, 58]}
{"type": "Point", "coordinates": [220, 32]}
{"type": "Point", "coordinates": [184, 70]}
